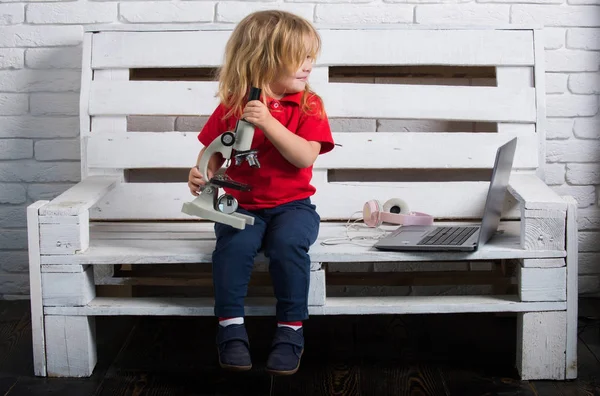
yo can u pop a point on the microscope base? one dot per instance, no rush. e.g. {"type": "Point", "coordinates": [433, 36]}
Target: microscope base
{"type": "Point", "coordinates": [203, 208]}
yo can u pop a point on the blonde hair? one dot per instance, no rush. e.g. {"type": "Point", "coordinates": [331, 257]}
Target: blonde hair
{"type": "Point", "coordinates": [264, 46]}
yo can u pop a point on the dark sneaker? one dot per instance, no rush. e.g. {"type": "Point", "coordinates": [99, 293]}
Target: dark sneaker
{"type": "Point", "coordinates": [286, 351]}
{"type": "Point", "coordinates": [233, 347]}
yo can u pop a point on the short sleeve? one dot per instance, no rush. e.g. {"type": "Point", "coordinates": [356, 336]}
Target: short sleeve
{"type": "Point", "coordinates": [315, 126]}
{"type": "Point", "coordinates": [213, 127]}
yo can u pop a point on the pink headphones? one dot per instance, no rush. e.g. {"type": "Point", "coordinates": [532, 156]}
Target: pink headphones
{"type": "Point", "coordinates": [394, 211]}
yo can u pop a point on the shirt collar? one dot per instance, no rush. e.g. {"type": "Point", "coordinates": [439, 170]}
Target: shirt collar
{"type": "Point", "coordinates": [294, 98]}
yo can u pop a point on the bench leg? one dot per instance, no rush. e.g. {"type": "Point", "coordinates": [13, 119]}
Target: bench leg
{"type": "Point", "coordinates": [35, 289]}
{"type": "Point", "coordinates": [541, 345]}
{"type": "Point", "coordinates": [316, 291]}
{"type": "Point", "coordinates": [70, 345]}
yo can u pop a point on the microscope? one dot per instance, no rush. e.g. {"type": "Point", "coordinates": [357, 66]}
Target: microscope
{"type": "Point", "coordinates": [209, 205]}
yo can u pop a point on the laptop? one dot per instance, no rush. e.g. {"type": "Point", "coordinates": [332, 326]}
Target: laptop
{"type": "Point", "coordinates": [460, 238]}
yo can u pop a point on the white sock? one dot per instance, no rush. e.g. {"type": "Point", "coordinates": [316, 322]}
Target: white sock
{"type": "Point", "coordinates": [230, 321]}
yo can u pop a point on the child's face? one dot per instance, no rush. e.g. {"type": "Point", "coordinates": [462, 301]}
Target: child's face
{"type": "Point", "coordinates": [289, 84]}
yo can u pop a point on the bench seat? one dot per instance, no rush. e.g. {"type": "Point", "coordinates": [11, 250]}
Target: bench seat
{"type": "Point", "coordinates": [178, 243]}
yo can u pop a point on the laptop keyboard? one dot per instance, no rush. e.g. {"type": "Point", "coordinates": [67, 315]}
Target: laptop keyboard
{"type": "Point", "coordinates": [448, 236]}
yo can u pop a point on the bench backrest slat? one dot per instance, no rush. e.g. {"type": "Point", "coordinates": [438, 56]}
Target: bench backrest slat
{"type": "Point", "coordinates": [343, 46]}
{"type": "Point", "coordinates": [145, 150]}
{"type": "Point", "coordinates": [342, 100]}
{"type": "Point", "coordinates": [438, 130]}
{"type": "Point", "coordinates": [335, 201]}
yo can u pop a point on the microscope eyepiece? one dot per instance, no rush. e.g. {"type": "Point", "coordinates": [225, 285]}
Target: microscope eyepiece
{"type": "Point", "coordinates": [254, 93]}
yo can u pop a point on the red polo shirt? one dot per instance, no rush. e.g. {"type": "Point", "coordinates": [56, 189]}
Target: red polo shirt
{"type": "Point", "coordinates": [277, 181]}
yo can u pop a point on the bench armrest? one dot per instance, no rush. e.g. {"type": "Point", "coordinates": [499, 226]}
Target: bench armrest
{"type": "Point", "coordinates": [543, 213]}
{"type": "Point", "coordinates": [80, 197]}
{"type": "Point", "coordinates": [533, 194]}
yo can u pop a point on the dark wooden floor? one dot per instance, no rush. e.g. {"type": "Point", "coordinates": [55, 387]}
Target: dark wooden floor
{"type": "Point", "coordinates": [350, 355]}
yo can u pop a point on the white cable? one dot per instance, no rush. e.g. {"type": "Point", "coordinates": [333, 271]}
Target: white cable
{"type": "Point", "coordinates": [379, 233]}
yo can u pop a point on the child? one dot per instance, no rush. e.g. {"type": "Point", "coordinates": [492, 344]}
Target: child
{"type": "Point", "coordinates": [273, 51]}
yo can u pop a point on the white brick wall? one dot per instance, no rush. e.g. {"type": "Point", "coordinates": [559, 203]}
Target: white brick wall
{"type": "Point", "coordinates": [40, 57]}
{"type": "Point", "coordinates": [160, 11]}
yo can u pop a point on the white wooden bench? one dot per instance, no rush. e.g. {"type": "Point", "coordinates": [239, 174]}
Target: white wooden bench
{"type": "Point", "coordinates": [87, 245]}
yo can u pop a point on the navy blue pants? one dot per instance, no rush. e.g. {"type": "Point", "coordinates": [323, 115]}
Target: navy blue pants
{"type": "Point", "coordinates": [285, 234]}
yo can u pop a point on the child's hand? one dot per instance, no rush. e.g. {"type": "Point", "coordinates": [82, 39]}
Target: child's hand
{"type": "Point", "coordinates": [195, 180]}
{"type": "Point", "coordinates": [257, 113]}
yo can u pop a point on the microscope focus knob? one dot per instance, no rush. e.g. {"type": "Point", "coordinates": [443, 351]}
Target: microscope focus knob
{"type": "Point", "coordinates": [228, 138]}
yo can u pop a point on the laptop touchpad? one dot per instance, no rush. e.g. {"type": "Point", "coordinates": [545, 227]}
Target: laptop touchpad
{"type": "Point", "coordinates": [411, 235]}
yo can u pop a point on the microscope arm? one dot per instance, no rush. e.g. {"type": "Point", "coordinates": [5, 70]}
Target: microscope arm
{"type": "Point", "coordinates": [214, 147]}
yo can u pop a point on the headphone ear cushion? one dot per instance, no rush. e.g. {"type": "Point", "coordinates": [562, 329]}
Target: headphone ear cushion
{"type": "Point", "coordinates": [396, 206]}
{"type": "Point", "coordinates": [371, 213]}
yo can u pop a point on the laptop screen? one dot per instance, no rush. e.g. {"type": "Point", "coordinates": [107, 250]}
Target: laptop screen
{"type": "Point", "coordinates": [497, 191]}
